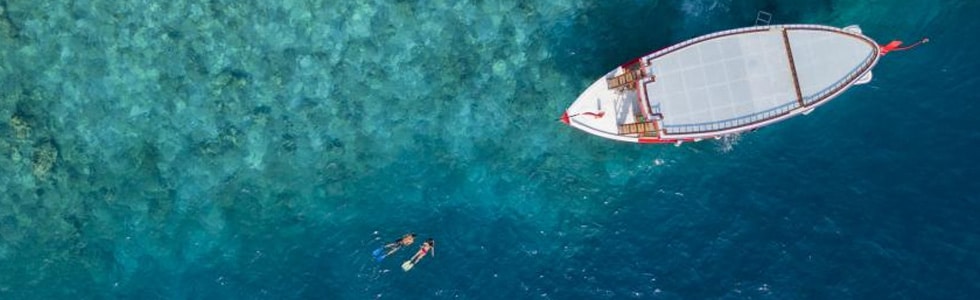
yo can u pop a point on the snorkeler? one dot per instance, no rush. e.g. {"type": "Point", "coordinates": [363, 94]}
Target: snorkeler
{"type": "Point", "coordinates": [428, 246]}
{"type": "Point", "coordinates": [390, 248]}
{"type": "Point", "coordinates": [406, 240]}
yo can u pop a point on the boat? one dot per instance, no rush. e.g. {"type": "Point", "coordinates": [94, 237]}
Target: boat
{"type": "Point", "coordinates": [726, 83]}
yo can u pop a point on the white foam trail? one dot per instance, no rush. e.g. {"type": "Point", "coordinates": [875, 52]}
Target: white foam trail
{"type": "Point", "coordinates": [727, 143]}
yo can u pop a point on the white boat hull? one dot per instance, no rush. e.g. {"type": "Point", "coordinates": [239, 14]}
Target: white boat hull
{"type": "Point", "coordinates": [724, 83]}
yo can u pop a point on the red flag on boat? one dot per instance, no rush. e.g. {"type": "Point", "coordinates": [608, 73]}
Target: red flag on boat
{"type": "Point", "coordinates": [896, 46]}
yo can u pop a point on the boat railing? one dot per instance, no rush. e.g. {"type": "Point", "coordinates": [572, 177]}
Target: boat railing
{"type": "Point", "coordinates": [733, 122]}
{"type": "Point", "coordinates": [846, 80]}
{"type": "Point", "coordinates": [734, 31]}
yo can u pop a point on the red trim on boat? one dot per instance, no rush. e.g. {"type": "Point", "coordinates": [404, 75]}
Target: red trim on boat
{"type": "Point", "coordinates": [647, 140]}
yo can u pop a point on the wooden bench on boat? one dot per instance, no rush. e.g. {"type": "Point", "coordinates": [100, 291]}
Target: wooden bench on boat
{"type": "Point", "coordinates": [625, 80]}
{"type": "Point", "coordinates": [648, 128]}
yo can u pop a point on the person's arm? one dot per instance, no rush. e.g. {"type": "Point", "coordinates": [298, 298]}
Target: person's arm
{"type": "Point", "coordinates": [395, 244]}
{"type": "Point", "coordinates": [393, 248]}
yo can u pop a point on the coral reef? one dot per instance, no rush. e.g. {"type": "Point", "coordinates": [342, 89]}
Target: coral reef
{"type": "Point", "coordinates": [45, 156]}
{"type": "Point", "coordinates": [22, 130]}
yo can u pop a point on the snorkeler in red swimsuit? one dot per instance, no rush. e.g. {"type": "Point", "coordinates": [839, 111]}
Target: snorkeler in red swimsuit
{"type": "Point", "coordinates": [428, 246]}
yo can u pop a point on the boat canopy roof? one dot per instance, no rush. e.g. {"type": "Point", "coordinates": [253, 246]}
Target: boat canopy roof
{"type": "Point", "coordinates": [738, 77]}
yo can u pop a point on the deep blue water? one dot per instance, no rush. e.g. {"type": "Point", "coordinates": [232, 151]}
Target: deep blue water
{"type": "Point", "coordinates": [253, 150]}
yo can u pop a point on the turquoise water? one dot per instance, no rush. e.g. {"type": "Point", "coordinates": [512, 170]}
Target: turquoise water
{"type": "Point", "coordinates": [251, 150]}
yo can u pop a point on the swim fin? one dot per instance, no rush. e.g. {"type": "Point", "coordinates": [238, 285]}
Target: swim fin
{"type": "Point", "coordinates": [379, 254]}
{"type": "Point", "coordinates": [407, 265]}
